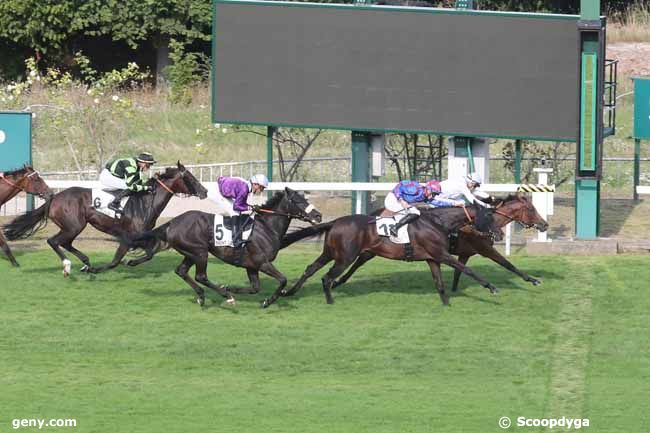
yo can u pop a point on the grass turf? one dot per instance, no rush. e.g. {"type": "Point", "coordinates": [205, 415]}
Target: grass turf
{"type": "Point", "coordinates": [129, 351]}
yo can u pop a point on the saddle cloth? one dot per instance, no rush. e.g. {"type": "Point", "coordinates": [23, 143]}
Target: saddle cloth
{"type": "Point", "coordinates": [384, 224]}
{"type": "Point", "coordinates": [101, 199]}
{"type": "Point", "coordinates": [222, 229]}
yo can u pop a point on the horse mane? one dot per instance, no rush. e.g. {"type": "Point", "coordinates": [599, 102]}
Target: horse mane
{"type": "Point", "coordinates": [20, 170]}
{"type": "Point", "coordinates": [273, 201]}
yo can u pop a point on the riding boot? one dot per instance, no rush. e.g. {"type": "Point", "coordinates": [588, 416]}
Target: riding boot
{"type": "Point", "coordinates": [115, 204]}
{"type": "Point", "coordinates": [407, 219]}
{"type": "Point", "coordinates": [237, 230]}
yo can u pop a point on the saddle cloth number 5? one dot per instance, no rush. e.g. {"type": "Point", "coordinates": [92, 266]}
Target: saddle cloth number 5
{"type": "Point", "coordinates": [222, 236]}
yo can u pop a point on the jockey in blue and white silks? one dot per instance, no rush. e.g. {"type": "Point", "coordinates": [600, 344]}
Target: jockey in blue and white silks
{"type": "Point", "coordinates": [407, 194]}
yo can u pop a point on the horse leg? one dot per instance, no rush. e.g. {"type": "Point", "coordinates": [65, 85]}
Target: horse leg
{"type": "Point", "coordinates": [140, 260]}
{"type": "Point", "coordinates": [182, 271]}
{"type": "Point", "coordinates": [117, 258]}
{"type": "Point", "coordinates": [463, 260]}
{"type": "Point", "coordinates": [201, 276]}
{"type": "Point", "coordinates": [254, 279]}
{"type": "Point", "coordinates": [361, 260]}
{"type": "Point", "coordinates": [321, 261]}
{"type": "Point", "coordinates": [55, 242]}
{"type": "Point", "coordinates": [451, 261]}
{"type": "Point", "coordinates": [437, 275]}
{"type": "Point", "coordinates": [5, 247]}
{"type": "Point", "coordinates": [271, 271]}
{"type": "Point", "coordinates": [494, 255]}
{"type": "Point", "coordinates": [329, 278]}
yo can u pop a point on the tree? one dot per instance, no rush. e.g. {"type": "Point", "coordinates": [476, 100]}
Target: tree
{"type": "Point", "coordinates": [157, 21]}
{"type": "Point", "coordinates": [45, 26]}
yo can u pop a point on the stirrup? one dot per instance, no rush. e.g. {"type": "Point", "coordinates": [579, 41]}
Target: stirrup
{"type": "Point", "coordinates": [115, 208]}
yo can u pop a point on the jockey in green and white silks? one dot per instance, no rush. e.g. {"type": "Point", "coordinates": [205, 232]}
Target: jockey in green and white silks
{"type": "Point", "coordinates": [126, 175]}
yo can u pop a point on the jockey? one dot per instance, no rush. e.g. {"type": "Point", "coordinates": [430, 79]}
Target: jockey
{"type": "Point", "coordinates": [126, 175]}
{"type": "Point", "coordinates": [404, 197]}
{"type": "Point", "coordinates": [232, 194]}
{"type": "Point", "coordinates": [465, 188]}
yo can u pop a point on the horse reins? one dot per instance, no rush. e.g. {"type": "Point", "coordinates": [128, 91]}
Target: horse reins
{"type": "Point", "coordinates": [10, 183]}
{"type": "Point", "coordinates": [163, 185]}
{"type": "Point", "coordinates": [273, 212]}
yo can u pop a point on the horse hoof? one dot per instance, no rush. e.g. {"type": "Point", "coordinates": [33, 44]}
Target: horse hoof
{"type": "Point", "coordinates": [494, 291]}
{"type": "Point", "coordinates": [264, 303]}
{"type": "Point", "coordinates": [200, 301]}
{"type": "Point", "coordinates": [231, 301]}
{"type": "Point", "coordinates": [535, 282]}
{"type": "Point", "coordinates": [84, 268]}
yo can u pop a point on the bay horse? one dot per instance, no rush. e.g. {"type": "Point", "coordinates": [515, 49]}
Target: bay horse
{"type": "Point", "coordinates": [192, 235]}
{"type": "Point", "coordinates": [13, 182]}
{"type": "Point", "coordinates": [515, 207]}
{"type": "Point", "coordinates": [71, 210]}
{"type": "Point", "coordinates": [348, 237]}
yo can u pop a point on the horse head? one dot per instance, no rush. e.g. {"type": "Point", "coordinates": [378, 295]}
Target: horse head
{"type": "Point", "coordinates": [520, 208]}
{"type": "Point", "coordinates": [179, 180]}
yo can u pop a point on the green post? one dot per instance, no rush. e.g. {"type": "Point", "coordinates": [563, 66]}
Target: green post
{"type": "Point", "coordinates": [517, 161]}
{"type": "Point", "coordinates": [589, 139]}
{"type": "Point", "coordinates": [270, 133]}
{"type": "Point", "coordinates": [360, 169]}
{"type": "Point", "coordinates": [468, 4]}
{"type": "Point", "coordinates": [637, 167]}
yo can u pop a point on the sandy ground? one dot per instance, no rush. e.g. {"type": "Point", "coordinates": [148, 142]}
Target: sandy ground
{"type": "Point", "coordinates": [633, 57]}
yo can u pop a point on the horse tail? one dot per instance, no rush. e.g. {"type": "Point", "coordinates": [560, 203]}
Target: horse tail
{"type": "Point", "coordinates": [305, 233]}
{"type": "Point", "coordinates": [26, 225]}
{"type": "Point", "coordinates": [154, 240]}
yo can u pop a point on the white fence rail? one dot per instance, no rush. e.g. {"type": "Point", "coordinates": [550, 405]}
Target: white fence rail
{"type": "Point", "coordinates": [542, 201]}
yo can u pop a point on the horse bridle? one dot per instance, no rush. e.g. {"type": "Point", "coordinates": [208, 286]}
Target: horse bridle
{"type": "Point", "coordinates": [304, 217]}
{"type": "Point", "coordinates": [511, 219]}
{"type": "Point", "coordinates": [14, 185]}
{"type": "Point", "coordinates": [169, 190]}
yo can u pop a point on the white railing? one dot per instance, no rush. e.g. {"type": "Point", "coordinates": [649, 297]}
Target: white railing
{"type": "Point", "coordinates": [543, 201]}
{"type": "Point", "coordinates": [642, 189]}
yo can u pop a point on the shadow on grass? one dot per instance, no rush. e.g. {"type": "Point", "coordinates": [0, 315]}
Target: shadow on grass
{"type": "Point", "coordinates": [420, 281]}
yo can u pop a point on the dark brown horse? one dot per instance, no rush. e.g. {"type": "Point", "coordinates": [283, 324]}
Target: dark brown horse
{"type": "Point", "coordinates": [192, 235]}
{"type": "Point", "coordinates": [13, 182]}
{"type": "Point", "coordinates": [350, 236]}
{"type": "Point", "coordinates": [71, 210]}
{"type": "Point", "coordinates": [516, 208]}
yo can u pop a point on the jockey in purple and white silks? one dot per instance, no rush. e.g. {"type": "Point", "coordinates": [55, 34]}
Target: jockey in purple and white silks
{"type": "Point", "coordinates": [407, 194]}
{"type": "Point", "coordinates": [231, 194]}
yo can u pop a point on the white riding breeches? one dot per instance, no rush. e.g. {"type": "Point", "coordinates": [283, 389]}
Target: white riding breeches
{"type": "Point", "coordinates": [393, 204]}
{"type": "Point", "coordinates": [225, 204]}
{"type": "Point", "coordinates": [110, 181]}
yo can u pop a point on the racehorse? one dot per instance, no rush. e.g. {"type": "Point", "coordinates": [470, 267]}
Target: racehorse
{"type": "Point", "coordinates": [348, 237]}
{"type": "Point", "coordinates": [13, 182]}
{"type": "Point", "coordinates": [192, 235]}
{"type": "Point", "coordinates": [515, 207]}
{"type": "Point", "coordinates": [72, 209]}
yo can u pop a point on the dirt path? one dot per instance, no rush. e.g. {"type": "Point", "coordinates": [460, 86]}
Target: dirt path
{"type": "Point", "coordinates": [633, 57]}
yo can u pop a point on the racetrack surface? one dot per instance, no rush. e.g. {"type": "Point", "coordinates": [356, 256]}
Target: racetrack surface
{"type": "Point", "coordinates": [129, 351]}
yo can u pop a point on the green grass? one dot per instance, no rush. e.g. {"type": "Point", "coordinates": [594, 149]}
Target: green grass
{"type": "Point", "coordinates": [129, 351]}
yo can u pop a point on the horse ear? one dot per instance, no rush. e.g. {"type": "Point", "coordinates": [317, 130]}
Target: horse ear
{"type": "Point", "coordinates": [179, 165]}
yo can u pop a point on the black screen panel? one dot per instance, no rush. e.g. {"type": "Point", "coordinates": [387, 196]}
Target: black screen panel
{"type": "Point", "coordinates": [396, 69]}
